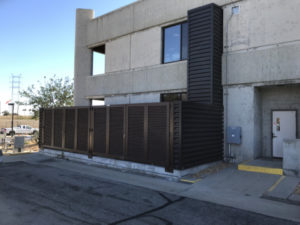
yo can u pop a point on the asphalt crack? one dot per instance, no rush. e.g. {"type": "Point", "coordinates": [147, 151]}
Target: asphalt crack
{"type": "Point", "coordinates": [143, 214]}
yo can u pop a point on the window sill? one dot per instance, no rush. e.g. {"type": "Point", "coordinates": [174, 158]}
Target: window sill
{"type": "Point", "coordinates": [174, 61]}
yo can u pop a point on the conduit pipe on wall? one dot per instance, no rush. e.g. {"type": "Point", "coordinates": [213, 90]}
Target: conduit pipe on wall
{"type": "Point", "coordinates": [227, 154]}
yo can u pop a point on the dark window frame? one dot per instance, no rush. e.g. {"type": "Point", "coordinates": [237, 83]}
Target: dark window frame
{"type": "Point", "coordinates": [182, 96]}
{"type": "Point", "coordinates": [163, 42]}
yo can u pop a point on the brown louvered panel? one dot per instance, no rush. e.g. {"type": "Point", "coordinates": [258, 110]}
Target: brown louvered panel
{"type": "Point", "coordinates": [202, 134]}
{"type": "Point", "coordinates": [136, 133]}
{"type": "Point", "coordinates": [82, 130]}
{"type": "Point", "coordinates": [58, 116]}
{"type": "Point", "coordinates": [99, 130]}
{"type": "Point", "coordinates": [218, 51]}
{"type": "Point", "coordinates": [200, 54]}
{"type": "Point", "coordinates": [116, 131]}
{"type": "Point", "coordinates": [70, 128]}
{"type": "Point", "coordinates": [157, 134]}
{"type": "Point", "coordinates": [48, 127]}
{"type": "Point", "coordinates": [205, 54]}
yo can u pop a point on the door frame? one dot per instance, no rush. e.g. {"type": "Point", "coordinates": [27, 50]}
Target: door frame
{"type": "Point", "coordinates": [281, 110]}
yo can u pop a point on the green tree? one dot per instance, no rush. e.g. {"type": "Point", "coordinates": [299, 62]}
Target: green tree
{"type": "Point", "coordinates": [5, 113]}
{"type": "Point", "coordinates": [53, 92]}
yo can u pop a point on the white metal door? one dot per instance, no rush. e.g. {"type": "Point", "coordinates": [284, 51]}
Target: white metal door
{"type": "Point", "coordinates": [284, 127]}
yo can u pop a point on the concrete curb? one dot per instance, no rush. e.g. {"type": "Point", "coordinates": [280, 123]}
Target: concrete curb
{"type": "Point", "coordinates": [126, 165]}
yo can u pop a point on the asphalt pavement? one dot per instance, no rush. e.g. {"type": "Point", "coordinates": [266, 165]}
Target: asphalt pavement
{"type": "Point", "coordinates": [41, 192]}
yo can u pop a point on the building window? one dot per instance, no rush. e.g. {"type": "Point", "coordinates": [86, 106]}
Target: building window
{"type": "Point", "coordinates": [171, 97]}
{"type": "Point", "coordinates": [175, 43]}
{"type": "Point", "coordinates": [98, 60]}
{"type": "Point", "coordinates": [97, 102]}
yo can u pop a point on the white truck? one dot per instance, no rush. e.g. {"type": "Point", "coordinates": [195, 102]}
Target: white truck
{"type": "Point", "coordinates": [22, 129]}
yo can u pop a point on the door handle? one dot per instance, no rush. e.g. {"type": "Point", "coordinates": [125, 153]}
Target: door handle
{"type": "Point", "coordinates": [273, 136]}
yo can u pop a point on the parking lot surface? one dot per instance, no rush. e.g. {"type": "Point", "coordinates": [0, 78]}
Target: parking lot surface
{"type": "Point", "coordinates": [41, 194]}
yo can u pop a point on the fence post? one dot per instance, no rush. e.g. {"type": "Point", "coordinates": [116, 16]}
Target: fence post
{"type": "Point", "coordinates": [43, 129]}
{"type": "Point", "coordinates": [75, 130]}
{"type": "Point", "coordinates": [107, 129]}
{"type": "Point", "coordinates": [63, 136]}
{"type": "Point", "coordinates": [170, 137]}
{"type": "Point", "coordinates": [146, 156]}
{"type": "Point", "coordinates": [125, 132]}
{"type": "Point", "coordinates": [42, 125]}
{"type": "Point", "coordinates": [52, 128]}
{"type": "Point", "coordinates": [91, 132]}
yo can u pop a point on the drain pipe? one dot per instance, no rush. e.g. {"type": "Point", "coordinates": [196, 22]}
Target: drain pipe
{"type": "Point", "coordinates": [228, 156]}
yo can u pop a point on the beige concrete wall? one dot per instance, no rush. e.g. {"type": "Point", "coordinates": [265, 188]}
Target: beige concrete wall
{"type": "Point", "coordinates": [263, 41]}
{"type": "Point", "coordinates": [133, 34]}
{"type": "Point", "coordinates": [135, 50]}
{"type": "Point", "coordinates": [158, 78]}
{"type": "Point", "coordinates": [261, 36]}
{"type": "Point", "coordinates": [241, 113]}
{"type": "Point", "coordinates": [263, 23]}
{"type": "Point", "coordinates": [263, 49]}
{"type": "Point", "coordinates": [275, 64]}
{"type": "Point", "coordinates": [264, 34]}
{"type": "Point", "coordinates": [139, 16]}
{"type": "Point", "coordinates": [83, 57]}
{"type": "Point", "coordinates": [146, 47]}
{"type": "Point", "coordinates": [117, 54]}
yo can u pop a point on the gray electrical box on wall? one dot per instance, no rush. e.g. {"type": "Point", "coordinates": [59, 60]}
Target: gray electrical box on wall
{"type": "Point", "coordinates": [234, 135]}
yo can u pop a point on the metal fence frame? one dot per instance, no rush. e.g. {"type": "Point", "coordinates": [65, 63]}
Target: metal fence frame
{"type": "Point", "coordinates": [90, 151]}
{"type": "Point", "coordinates": [192, 134]}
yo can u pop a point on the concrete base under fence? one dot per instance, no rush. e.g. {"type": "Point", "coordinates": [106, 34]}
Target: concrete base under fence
{"type": "Point", "coordinates": [126, 165]}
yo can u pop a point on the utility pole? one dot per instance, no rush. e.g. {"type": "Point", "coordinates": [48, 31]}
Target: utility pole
{"type": "Point", "coordinates": [12, 118]}
{"type": "Point", "coordinates": [15, 89]}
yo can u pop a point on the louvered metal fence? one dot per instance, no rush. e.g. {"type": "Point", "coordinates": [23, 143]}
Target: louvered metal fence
{"type": "Point", "coordinates": [176, 135]}
{"type": "Point", "coordinates": [138, 133]}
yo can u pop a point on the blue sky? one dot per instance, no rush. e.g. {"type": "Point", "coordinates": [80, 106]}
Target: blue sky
{"type": "Point", "coordinates": [37, 38]}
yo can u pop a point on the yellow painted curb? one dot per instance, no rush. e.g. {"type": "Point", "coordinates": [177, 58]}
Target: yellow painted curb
{"type": "Point", "coordinates": [190, 181]}
{"type": "Point", "coordinates": [260, 169]}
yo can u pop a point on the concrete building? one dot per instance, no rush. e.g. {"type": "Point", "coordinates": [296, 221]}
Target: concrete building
{"type": "Point", "coordinates": [260, 64]}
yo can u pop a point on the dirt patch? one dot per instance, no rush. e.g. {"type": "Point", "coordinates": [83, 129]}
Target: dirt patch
{"type": "Point", "coordinates": [5, 121]}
